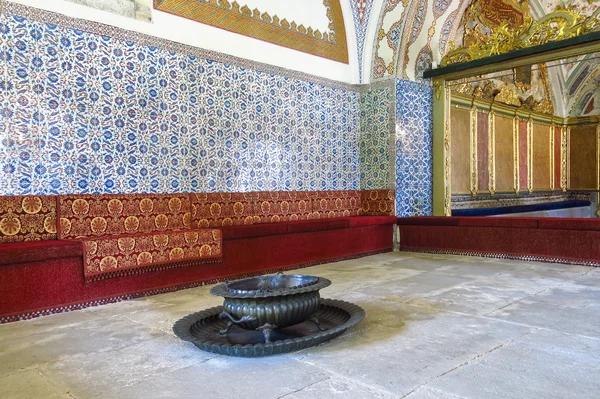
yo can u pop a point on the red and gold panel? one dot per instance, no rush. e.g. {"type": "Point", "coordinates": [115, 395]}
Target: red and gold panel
{"type": "Point", "coordinates": [557, 161]}
{"type": "Point", "coordinates": [483, 174]}
{"type": "Point", "coordinates": [282, 206]}
{"type": "Point", "coordinates": [460, 122]}
{"type": "Point", "coordinates": [223, 209]}
{"type": "Point", "coordinates": [504, 154]}
{"type": "Point", "coordinates": [541, 157]}
{"type": "Point", "coordinates": [377, 202]}
{"type": "Point", "coordinates": [523, 151]}
{"type": "Point", "coordinates": [112, 214]}
{"type": "Point", "coordinates": [583, 163]}
{"type": "Point", "coordinates": [114, 256]}
{"type": "Point", "coordinates": [27, 218]}
{"type": "Point", "coordinates": [333, 204]}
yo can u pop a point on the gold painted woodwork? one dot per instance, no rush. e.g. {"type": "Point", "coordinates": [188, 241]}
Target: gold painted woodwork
{"type": "Point", "coordinates": [461, 134]}
{"type": "Point", "coordinates": [563, 158]}
{"type": "Point", "coordinates": [552, 160]}
{"type": "Point", "coordinates": [447, 157]}
{"type": "Point", "coordinates": [563, 23]}
{"type": "Point", "coordinates": [473, 164]}
{"type": "Point", "coordinates": [515, 133]}
{"type": "Point", "coordinates": [440, 116]}
{"type": "Point", "coordinates": [583, 157]}
{"type": "Point", "coordinates": [230, 16]}
{"type": "Point", "coordinates": [530, 155]}
{"type": "Point", "coordinates": [503, 154]}
{"type": "Point", "coordinates": [541, 157]}
{"type": "Point", "coordinates": [491, 152]}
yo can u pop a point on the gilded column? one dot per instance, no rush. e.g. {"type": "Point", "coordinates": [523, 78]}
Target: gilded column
{"type": "Point", "coordinates": [473, 164]}
{"type": "Point", "coordinates": [491, 152]}
{"type": "Point", "coordinates": [530, 155]}
{"type": "Point", "coordinates": [447, 155]}
{"type": "Point", "coordinates": [563, 159]}
{"type": "Point", "coordinates": [516, 153]}
{"type": "Point", "coordinates": [552, 132]}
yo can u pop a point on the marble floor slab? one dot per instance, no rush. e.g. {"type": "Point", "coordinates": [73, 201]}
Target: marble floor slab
{"type": "Point", "coordinates": [436, 326]}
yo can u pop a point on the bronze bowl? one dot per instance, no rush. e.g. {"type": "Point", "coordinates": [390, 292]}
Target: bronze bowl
{"type": "Point", "coordinates": [270, 302]}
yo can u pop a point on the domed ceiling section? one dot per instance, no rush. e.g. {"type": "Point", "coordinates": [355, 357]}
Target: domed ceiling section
{"type": "Point", "coordinates": [414, 34]}
{"type": "Point", "coordinates": [312, 26]}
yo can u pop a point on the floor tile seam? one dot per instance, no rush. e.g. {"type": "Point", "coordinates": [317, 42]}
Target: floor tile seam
{"type": "Point", "coordinates": [505, 321]}
{"type": "Point", "coordinates": [343, 377]}
{"type": "Point", "coordinates": [56, 384]}
{"type": "Point", "coordinates": [534, 327]}
{"type": "Point", "coordinates": [303, 388]}
{"type": "Point", "coordinates": [147, 378]}
{"type": "Point", "coordinates": [524, 298]}
{"type": "Point", "coordinates": [474, 359]}
{"type": "Point", "coordinates": [19, 371]}
{"type": "Point", "coordinates": [445, 394]}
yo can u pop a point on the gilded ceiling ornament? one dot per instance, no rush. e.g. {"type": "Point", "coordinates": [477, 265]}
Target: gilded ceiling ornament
{"type": "Point", "coordinates": [563, 23]}
{"type": "Point", "coordinates": [545, 107]}
{"type": "Point", "coordinates": [508, 96]}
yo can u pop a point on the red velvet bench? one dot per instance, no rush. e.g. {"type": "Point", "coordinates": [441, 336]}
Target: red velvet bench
{"type": "Point", "coordinates": [42, 275]}
{"type": "Point", "coordinates": [561, 240]}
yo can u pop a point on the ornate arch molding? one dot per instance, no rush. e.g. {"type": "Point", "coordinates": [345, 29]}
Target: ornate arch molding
{"type": "Point", "coordinates": [258, 24]}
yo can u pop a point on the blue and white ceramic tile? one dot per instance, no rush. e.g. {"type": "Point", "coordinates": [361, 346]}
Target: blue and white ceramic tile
{"type": "Point", "coordinates": [414, 177]}
{"type": "Point", "coordinates": [361, 12]}
{"type": "Point", "coordinates": [376, 155]}
{"type": "Point", "coordinates": [85, 113]}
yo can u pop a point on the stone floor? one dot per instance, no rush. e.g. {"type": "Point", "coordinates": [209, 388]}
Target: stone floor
{"type": "Point", "coordinates": [436, 327]}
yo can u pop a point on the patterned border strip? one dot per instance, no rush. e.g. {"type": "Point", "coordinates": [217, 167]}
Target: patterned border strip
{"type": "Point", "coordinates": [50, 17]}
{"type": "Point", "coordinates": [120, 298]}
{"type": "Point", "coordinates": [531, 258]}
{"type": "Point", "coordinates": [270, 28]}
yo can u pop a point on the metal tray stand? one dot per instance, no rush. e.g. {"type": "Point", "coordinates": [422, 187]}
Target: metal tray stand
{"type": "Point", "coordinates": [203, 330]}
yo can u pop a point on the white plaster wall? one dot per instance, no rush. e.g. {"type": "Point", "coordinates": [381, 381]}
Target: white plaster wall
{"type": "Point", "coordinates": [204, 36]}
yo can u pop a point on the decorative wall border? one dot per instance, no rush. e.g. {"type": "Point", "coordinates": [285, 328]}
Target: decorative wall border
{"type": "Point", "coordinates": [120, 298]}
{"type": "Point", "coordinates": [531, 258]}
{"type": "Point", "coordinates": [260, 25]}
{"type": "Point", "coordinates": [50, 17]}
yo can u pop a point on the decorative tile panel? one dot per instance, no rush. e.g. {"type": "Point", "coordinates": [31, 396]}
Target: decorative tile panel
{"type": "Point", "coordinates": [377, 139]}
{"type": "Point", "coordinates": [87, 113]}
{"type": "Point", "coordinates": [361, 11]}
{"type": "Point", "coordinates": [414, 103]}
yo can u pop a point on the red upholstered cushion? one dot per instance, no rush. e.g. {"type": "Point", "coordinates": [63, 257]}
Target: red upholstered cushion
{"type": "Point", "coordinates": [429, 221]}
{"type": "Point", "coordinates": [254, 230]}
{"type": "Point", "coordinates": [569, 224]}
{"type": "Point", "coordinates": [335, 204]}
{"type": "Point", "coordinates": [516, 222]}
{"type": "Point", "coordinates": [113, 214]}
{"type": "Point", "coordinates": [27, 218]}
{"type": "Point", "coordinates": [111, 256]}
{"type": "Point", "coordinates": [35, 251]}
{"type": "Point", "coordinates": [371, 220]}
{"type": "Point", "coordinates": [282, 206]}
{"type": "Point", "coordinates": [223, 209]}
{"type": "Point", "coordinates": [377, 202]}
{"type": "Point", "coordinates": [318, 225]}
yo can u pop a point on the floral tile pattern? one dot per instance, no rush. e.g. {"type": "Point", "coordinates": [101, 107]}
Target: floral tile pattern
{"type": "Point", "coordinates": [376, 139]}
{"type": "Point", "coordinates": [82, 112]}
{"type": "Point", "coordinates": [414, 131]}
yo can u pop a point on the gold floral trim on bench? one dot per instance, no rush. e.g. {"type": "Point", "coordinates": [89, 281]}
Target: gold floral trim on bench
{"type": "Point", "coordinates": [27, 218]}
{"type": "Point", "coordinates": [112, 256]}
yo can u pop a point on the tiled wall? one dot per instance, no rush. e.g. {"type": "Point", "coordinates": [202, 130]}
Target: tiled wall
{"type": "Point", "coordinates": [413, 148]}
{"type": "Point", "coordinates": [377, 138]}
{"type": "Point", "coordinates": [85, 113]}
